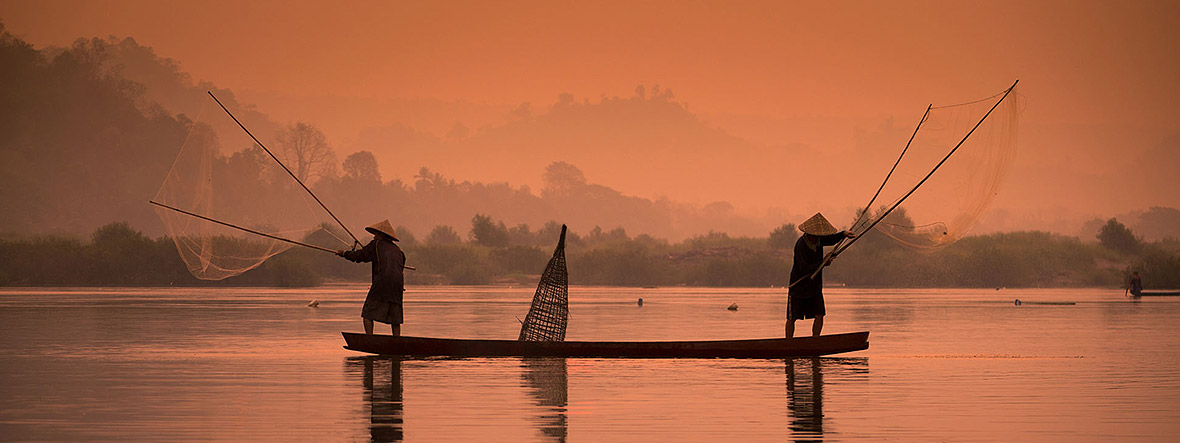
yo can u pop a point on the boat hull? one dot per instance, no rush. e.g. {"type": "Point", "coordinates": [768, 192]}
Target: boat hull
{"type": "Point", "coordinates": [1158, 293]}
{"type": "Point", "coordinates": [757, 348]}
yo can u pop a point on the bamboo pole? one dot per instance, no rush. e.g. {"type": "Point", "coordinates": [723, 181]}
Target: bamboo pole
{"type": "Point", "coordinates": [932, 171]}
{"type": "Point", "coordinates": [869, 206]}
{"type": "Point", "coordinates": [273, 237]}
{"type": "Point", "coordinates": [837, 251]}
{"type": "Point", "coordinates": [276, 159]}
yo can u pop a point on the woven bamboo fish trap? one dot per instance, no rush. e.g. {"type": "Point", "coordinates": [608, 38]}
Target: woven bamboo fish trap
{"type": "Point", "coordinates": [549, 314]}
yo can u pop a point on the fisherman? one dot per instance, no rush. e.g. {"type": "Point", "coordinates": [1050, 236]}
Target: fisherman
{"type": "Point", "coordinates": [805, 298]}
{"type": "Point", "coordinates": [1135, 284]}
{"type": "Point", "coordinates": [384, 302]}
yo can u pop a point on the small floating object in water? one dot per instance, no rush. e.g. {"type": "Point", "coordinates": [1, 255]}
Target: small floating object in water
{"type": "Point", "coordinates": [732, 307]}
{"type": "Point", "coordinates": [640, 302]}
{"type": "Point", "coordinates": [314, 304]}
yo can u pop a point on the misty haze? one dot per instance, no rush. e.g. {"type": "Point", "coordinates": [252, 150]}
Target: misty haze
{"type": "Point", "coordinates": [96, 125]}
{"type": "Point", "coordinates": [589, 221]}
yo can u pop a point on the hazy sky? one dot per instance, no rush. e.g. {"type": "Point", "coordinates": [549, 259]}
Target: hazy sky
{"type": "Point", "coordinates": [1100, 77]}
{"type": "Point", "coordinates": [1087, 59]}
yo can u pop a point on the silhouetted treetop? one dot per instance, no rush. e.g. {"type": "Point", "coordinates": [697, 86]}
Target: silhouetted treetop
{"type": "Point", "coordinates": [1117, 237]}
{"type": "Point", "coordinates": [361, 166]}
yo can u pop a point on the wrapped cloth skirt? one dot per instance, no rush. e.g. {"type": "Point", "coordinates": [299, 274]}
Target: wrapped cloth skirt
{"type": "Point", "coordinates": [382, 310]}
{"type": "Point", "coordinates": [802, 308]}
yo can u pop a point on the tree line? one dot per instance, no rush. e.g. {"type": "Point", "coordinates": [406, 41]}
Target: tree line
{"type": "Point", "coordinates": [490, 252]}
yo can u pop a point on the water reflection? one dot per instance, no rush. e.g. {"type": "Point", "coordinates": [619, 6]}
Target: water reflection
{"type": "Point", "coordinates": [805, 396]}
{"type": "Point", "coordinates": [382, 378]}
{"type": "Point", "coordinates": [548, 383]}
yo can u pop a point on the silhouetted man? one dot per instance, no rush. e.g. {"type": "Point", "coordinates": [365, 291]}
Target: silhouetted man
{"type": "Point", "coordinates": [805, 299]}
{"type": "Point", "coordinates": [1135, 284]}
{"type": "Point", "coordinates": [384, 301]}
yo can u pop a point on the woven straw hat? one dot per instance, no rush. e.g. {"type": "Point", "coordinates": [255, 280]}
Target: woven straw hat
{"type": "Point", "coordinates": [382, 227]}
{"type": "Point", "coordinates": [818, 225]}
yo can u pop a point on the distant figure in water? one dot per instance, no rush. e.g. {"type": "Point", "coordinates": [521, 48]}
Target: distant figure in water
{"type": "Point", "coordinates": [806, 299]}
{"type": "Point", "coordinates": [384, 302]}
{"type": "Point", "coordinates": [1136, 284]}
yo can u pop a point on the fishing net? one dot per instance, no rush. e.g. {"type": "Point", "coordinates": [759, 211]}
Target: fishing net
{"type": "Point", "coordinates": [549, 314]}
{"type": "Point", "coordinates": [950, 202]}
{"type": "Point", "coordinates": [221, 174]}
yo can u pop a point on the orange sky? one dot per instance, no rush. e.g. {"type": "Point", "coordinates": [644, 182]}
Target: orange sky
{"type": "Point", "coordinates": [777, 58]}
{"type": "Point", "coordinates": [1095, 74]}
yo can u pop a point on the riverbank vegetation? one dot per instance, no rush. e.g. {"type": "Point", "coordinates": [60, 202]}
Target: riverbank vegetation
{"type": "Point", "coordinates": [492, 253]}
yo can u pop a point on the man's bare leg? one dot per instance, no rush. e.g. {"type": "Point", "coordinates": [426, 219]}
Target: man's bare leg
{"type": "Point", "coordinates": [817, 326]}
{"type": "Point", "coordinates": [791, 328]}
{"type": "Point", "coordinates": [368, 326]}
{"type": "Point", "coordinates": [397, 330]}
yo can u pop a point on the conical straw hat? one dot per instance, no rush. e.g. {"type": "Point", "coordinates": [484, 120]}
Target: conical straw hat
{"type": "Point", "coordinates": [382, 227]}
{"type": "Point", "coordinates": [818, 225]}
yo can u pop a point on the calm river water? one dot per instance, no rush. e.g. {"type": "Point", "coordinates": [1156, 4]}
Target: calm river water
{"type": "Point", "coordinates": [167, 364]}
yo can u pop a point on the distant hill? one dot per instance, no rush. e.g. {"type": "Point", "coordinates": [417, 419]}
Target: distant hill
{"type": "Point", "coordinates": [639, 145]}
{"type": "Point", "coordinates": [90, 130]}
{"type": "Point", "coordinates": [78, 149]}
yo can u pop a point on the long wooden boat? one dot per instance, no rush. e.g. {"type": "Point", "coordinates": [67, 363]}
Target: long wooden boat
{"type": "Point", "coordinates": [756, 348]}
{"type": "Point", "coordinates": [1159, 293]}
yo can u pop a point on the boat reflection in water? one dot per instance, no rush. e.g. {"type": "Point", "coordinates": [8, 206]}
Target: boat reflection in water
{"type": "Point", "coordinates": [548, 383]}
{"type": "Point", "coordinates": [382, 377]}
{"type": "Point", "coordinates": [544, 378]}
{"type": "Point", "coordinates": [805, 391]}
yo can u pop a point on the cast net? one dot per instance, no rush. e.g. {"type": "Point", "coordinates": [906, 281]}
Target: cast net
{"type": "Point", "coordinates": [549, 312]}
{"type": "Point", "coordinates": [953, 199]}
{"type": "Point", "coordinates": [222, 174]}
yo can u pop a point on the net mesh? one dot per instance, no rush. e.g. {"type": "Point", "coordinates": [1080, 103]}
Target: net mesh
{"type": "Point", "coordinates": [549, 313]}
{"type": "Point", "coordinates": [952, 201]}
{"type": "Point", "coordinates": [245, 188]}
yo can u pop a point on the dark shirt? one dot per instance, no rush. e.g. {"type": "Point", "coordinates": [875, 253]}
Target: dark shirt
{"type": "Point", "coordinates": [1136, 285]}
{"type": "Point", "coordinates": [807, 260]}
{"type": "Point", "coordinates": [388, 261]}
